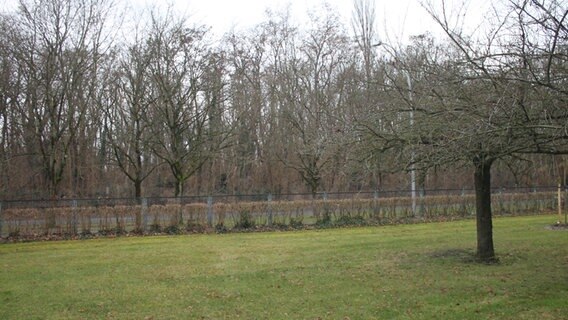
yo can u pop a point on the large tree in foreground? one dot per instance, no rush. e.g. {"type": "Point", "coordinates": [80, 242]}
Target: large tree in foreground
{"type": "Point", "coordinates": [479, 101]}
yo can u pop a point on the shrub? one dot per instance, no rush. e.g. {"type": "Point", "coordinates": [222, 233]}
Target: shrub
{"type": "Point", "coordinates": [193, 227]}
{"type": "Point", "coordinates": [279, 226]}
{"type": "Point", "coordinates": [296, 223]}
{"type": "Point", "coordinates": [15, 233]}
{"type": "Point", "coordinates": [357, 220]}
{"type": "Point", "coordinates": [246, 220]}
{"type": "Point", "coordinates": [155, 228]}
{"type": "Point", "coordinates": [86, 234]}
{"type": "Point", "coordinates": [220, 228]}
{"type": "Point", "coordinates": [174, 229]}
{"type": "Point", "coordinates": [117, 231]}
{"type": "Point", "coordinates": [324, 221]}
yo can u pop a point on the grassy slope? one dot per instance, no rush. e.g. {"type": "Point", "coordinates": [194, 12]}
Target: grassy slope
{"type": "Point", "coordinates": [364, 273]}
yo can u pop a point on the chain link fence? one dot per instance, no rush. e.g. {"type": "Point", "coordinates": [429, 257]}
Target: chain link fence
{"type": "Point", "coordinates": [114, 216]}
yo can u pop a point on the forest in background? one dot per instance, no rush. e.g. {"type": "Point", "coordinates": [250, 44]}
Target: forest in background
{"type": "Point", "coordinates": [91, 108]}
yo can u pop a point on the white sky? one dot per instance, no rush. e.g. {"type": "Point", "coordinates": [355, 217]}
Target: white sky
{"type": "Point", "coordinates": [400, 18]}
{"type": "Point", "coordinates": [396, 19]}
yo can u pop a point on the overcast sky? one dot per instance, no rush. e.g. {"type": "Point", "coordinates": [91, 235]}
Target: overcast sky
{"type": "Point", "coordinates": [224, 14]}
{"type": "Point", "coordinates": [396, 19]}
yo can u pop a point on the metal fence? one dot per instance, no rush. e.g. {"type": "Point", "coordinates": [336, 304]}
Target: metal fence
{"type": "Point", "coordinates": [85, 217]}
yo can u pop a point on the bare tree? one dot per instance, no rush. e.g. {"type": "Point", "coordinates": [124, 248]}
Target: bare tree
{"type": "Point", "coordinates": [363, 23]}
{"type": "Point", "coordinates": [80, 115]}
{"type": "Point", "coordinates": [127, 121]}
{"type": "Point", "coordinates": [247, 56]}
{"type": "Point", "coordinates": [482, 102]}
{"type": "Point", "coordinates": [58, 51]}
{"type": "Point", "coordinates": [183, 130]}
{"type": "Point", "coordinates": [9, 87]}
{"type": "Point", "coordinates": [312, 106]}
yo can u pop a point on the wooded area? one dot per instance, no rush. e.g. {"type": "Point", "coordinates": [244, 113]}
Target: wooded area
{"type": "Point", "coordinates": [93, 108]}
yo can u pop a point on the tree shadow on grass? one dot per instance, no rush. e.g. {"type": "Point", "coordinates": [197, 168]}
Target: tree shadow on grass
{"type": "Point", "coordinates": [468, 256]}
{"type": "Point", "coordinates": [455, 254]}
{"type": "Point", "coordinates": [462, 256]}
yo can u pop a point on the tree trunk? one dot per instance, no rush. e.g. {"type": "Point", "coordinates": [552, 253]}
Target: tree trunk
{"type": "Point", "coordinates": [137, 188]}
{"type": "Point", "coordinates": [138, 195]}
{"type": "Point", "coordinates": [179, 195]}
{"type": "Point", "coordinates": [482, 177]}
{"type": "Point", "coordinates": [179, 188]}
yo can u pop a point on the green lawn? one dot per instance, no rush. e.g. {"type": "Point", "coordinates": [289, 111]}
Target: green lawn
{"type": "Point", "coordinates": [394, 272]}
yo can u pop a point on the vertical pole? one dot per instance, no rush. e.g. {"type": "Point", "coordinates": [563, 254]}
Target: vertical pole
{"type": "Point", "coordinates": [564, 178]}
{"type": "Point", "coordinates": [210, 211]}
{"type": "Point", "coordinates": [412, 153]}
{"type": "Point", "coordinates": [326, 210]}
{"type": "Point", "coordinates": [463, 201]}
{"type": "Point", "coordinates": [376, 203]}
{"type": "Point", "coordinates": [565, 211]}
{"type": "Point", "coordinates": [144, 213]}
{"type": "Point", "coordinates": [421, 194]}
{"type": "Point", "coordinates": [559, 203]}
{"type": "Point", "coordinates": [74, 217]}
{"type": "Point", "coordinates": [413, 186]}
{"type": "Point", "coordinates": [1, 220]}
{"type": "Point", "coordinates": [269, 209]}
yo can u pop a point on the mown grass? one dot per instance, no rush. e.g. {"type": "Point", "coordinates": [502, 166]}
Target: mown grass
{"type": "Point", "coordinates": [396, 272]}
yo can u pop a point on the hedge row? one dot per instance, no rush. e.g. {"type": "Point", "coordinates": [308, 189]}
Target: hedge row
{"type": "Point", "coordinates": [85, 221]}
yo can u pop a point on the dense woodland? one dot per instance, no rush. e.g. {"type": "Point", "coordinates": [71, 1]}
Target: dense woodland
{"type": "Point", "coordinates": [96, 101]}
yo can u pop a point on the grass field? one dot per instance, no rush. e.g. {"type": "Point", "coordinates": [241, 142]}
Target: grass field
{"type": "Point", "coordinates": [396, 272]}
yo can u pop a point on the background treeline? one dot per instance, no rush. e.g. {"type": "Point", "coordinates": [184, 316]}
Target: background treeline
{"type": "Point", "coordinates": [92, 105]}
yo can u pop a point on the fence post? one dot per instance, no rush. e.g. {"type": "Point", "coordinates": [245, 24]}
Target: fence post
{"type": "Point", "coordinates": [421, 205]}
{"type": "Point", "coordinates": [210, 211]}
{"type": "Point", "coordinates": [74, 217]}
{"type": "Point", "coordinates": [326, 211]}
{"type": "Point", "coordinates": [144, 213]}
{"type": "Point", "coordinates": [1, 225]}
{"type": "Point", "coordinates": [376, 203]}
{"type": "Point", "coordinates": [269, 209]}
{"type": "Point", "coordinates": [463, 203]}
{"type": "Point", "coordinates": [559, 203]}
{"type": "Point", "coordinates": [565, 205]}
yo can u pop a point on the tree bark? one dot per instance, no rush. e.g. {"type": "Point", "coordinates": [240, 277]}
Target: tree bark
{"type": "Point", "coordinates": [482, 178]}
{"type": "Point", "coordinates": [138, 195]}
{"type": "Point", "coordinates": [138, 188]}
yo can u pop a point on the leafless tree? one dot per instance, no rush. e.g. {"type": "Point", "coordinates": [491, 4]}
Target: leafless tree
{"type": "Point", "coordinates": [128, 124]}
{"type": "Point", "coordinates": [484, 101]}
{"type": "Point", "coordinates": [58, 49]}
{"type": "Point", "coordinates": [183, 112]}
{"type": "Point", "coordinates": [275, 108]}
{"type": "Point", "coordinates": [312, 106]}
{"type": "Point", "coordinates": [366, 37]}
{"type": "Point", "coordinates": [247, 56]}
